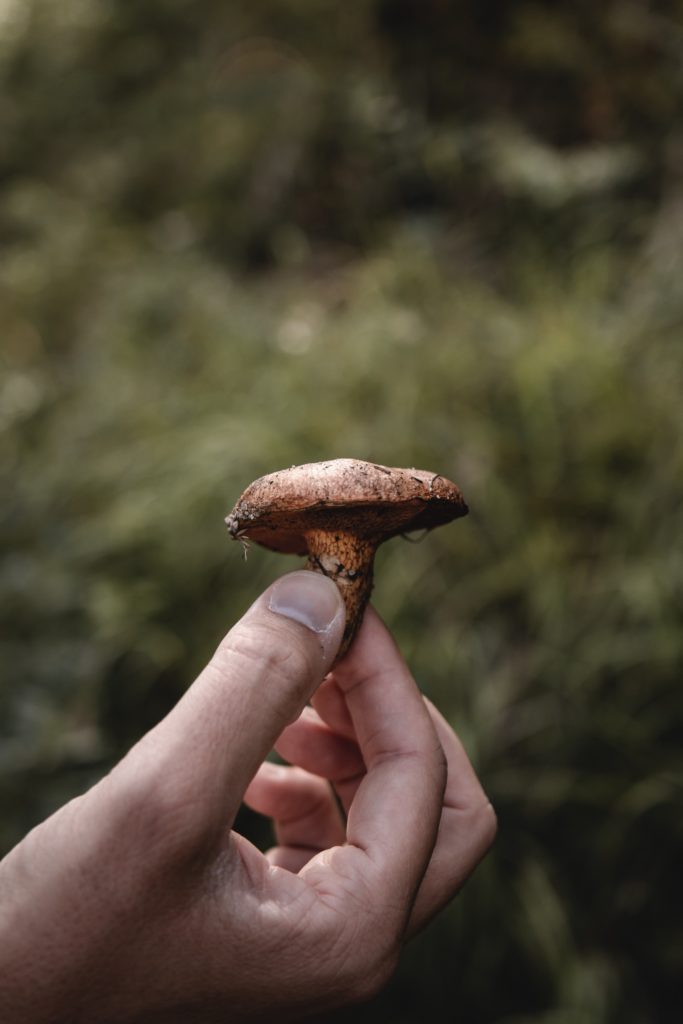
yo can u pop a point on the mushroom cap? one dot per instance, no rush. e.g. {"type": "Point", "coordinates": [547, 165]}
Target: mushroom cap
{"type": "Point", "coordinates": [348, 496]}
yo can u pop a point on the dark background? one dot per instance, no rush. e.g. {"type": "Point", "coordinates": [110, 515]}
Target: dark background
{"type": "Point", "coordinates": [238, 236]}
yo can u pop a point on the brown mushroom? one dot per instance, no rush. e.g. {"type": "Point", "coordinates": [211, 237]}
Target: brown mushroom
{"type": "Point", "coordinates": [338, 513]}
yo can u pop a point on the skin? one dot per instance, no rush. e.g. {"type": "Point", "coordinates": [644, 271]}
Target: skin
{"type": "Point", "coordinates": [137, 902]}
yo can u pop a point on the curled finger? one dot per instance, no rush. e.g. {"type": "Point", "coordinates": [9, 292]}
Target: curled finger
{"type": "Point", "coordinates": [467, 828]}
{"type": "Point", "coordinates": [302, 806]}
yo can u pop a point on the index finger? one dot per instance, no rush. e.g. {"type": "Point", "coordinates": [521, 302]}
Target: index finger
{"type": "Point", "coordinates": [394, 817]}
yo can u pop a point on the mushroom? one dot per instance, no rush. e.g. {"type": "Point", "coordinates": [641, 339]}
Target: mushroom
{"type": "Point", "coordinates": [338, 513]}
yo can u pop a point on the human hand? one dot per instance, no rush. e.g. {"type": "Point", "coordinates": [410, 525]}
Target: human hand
{"type": "Point", "coordinates": [137, 903]}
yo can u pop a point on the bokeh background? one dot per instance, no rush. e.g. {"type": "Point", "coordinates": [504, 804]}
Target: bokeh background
{"type": "Point", "coordinates": [237, 236]}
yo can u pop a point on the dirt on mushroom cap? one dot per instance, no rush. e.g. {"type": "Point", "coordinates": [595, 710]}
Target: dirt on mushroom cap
{"type": "Point", "coordinates": [345, 495]}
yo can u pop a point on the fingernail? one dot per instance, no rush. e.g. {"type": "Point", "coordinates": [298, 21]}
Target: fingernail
{"type": "Point", "coordinates": [308, 598]}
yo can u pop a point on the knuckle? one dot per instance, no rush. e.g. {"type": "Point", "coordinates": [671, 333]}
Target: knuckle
{"type": "Point", "coordinates": [363, 954]}
{"type": "Point", "coordinates": [356, 944]}
{"type": "Point", "coordinates": [440, 767]}
{"type": "Point", "coordinates": [351, 966]}
{"type": "Point", "coordinates": [485, 824]}
{"type": "Point", "coordinates": [372, 978]}
{"type": "Point", "coordinates": [367, 971]}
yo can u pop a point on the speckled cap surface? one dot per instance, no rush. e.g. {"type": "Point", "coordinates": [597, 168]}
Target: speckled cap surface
{"type": "Point", "coordinates": [346, 495]}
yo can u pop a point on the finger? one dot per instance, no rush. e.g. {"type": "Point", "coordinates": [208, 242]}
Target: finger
{"type": "Point", "coordinates": [468, 822]}
{"type": "Point", "coordinates": [393, 821]}
{"type": "Point", "coordinates": [467, 826]}
{"type": "Point", "coordinates": [466, 830]}
{"type": "Point", "coordinates": [201, 757]}
{"type": "Point", "coordinates": [301, 805]}
{"type": "Point", "coordinates": [291, 858]}
{"type": "Point", "coordinates": [311, 744]}
{"type": "Point", "coordinates": [330, 703]}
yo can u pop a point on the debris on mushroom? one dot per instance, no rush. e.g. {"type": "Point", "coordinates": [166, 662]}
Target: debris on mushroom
{"type": "Point", "coordinates": [338, 513]}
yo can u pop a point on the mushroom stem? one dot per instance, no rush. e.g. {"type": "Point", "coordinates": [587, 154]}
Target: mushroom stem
{"type": "Point", "coordinates": [348, 560]}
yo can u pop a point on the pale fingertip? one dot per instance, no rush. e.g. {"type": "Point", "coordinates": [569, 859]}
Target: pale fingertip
{"type": "Point", "coordinates": [314, 601]}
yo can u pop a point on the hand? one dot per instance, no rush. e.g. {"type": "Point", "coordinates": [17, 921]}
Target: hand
{"type": "Point", "coordinates": [137, 903]}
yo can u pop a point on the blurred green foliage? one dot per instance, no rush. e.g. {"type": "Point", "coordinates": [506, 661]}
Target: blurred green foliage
{"type": "Point", "coordinates": [235, 237]}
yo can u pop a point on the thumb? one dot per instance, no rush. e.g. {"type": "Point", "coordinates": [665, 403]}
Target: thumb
{"type": "Point", "coordinates": [261, 676]}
